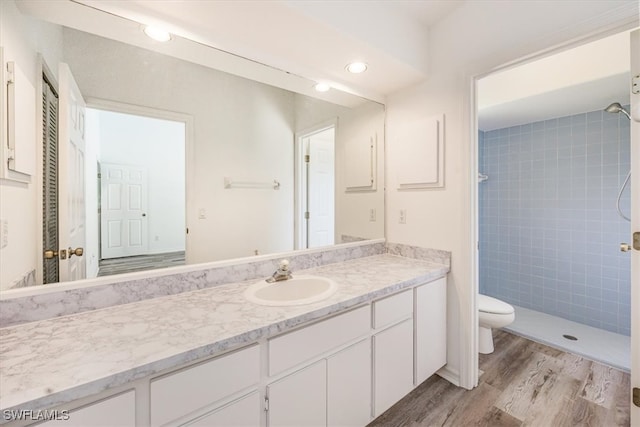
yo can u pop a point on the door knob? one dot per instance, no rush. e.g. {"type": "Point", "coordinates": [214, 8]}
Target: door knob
{"type": "Point", "coordinates": [76, 252]}
{"type": "Point", "coordinates": [49, 254]}
{"type": "Point", "coordinates": [144, 214]}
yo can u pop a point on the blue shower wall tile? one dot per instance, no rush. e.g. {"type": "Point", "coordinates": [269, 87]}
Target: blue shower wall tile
{"type": "Point", "coordinates": [549, 230]}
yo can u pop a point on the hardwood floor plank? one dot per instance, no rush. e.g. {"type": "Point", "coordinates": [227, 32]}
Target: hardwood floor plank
{"type": "Point", "coordinates": [619, 413]}
{"type": "Point", "coordinates": [601, 384]}
{"type": "Point", "coordinates": [540, 392]}
{"type": "Point", "coordinates": [477, 403]}
{"type": "Point", "coordinates": [509, 366]}
{"type": "Point", "coordinates": [494, 417]}
{"type": "Point", "coordinates": [587, 414]}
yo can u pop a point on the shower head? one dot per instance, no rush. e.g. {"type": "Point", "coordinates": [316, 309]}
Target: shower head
{"type": "Point", "coordinates": [617, 108]}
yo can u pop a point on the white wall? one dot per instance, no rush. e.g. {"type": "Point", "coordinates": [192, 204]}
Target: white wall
{"type": "Point", "coordinates": [474, 39]}
{"type": "Point", "coordinates": [22, 38]}
{"type": "Point", "coordinates": [159, 147]}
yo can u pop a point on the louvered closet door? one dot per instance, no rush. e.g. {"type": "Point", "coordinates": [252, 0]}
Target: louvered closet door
{"type": "Point", "coordinates": [51, 267]}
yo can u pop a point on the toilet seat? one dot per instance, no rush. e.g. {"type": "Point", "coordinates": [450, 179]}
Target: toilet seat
{"type": "Point", "coordinates": [487, 304]}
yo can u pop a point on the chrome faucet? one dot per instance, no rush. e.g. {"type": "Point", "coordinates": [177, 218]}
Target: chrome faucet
{"type": "Point", "coordinates": [282, 273]}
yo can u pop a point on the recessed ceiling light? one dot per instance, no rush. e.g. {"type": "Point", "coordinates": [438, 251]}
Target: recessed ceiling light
{"type": "Point", "coordinates": [158, 34]}
{"type": "Point", "coordinates": [322, 87]}
{"type": "Point", "coordinates": [357, 67]}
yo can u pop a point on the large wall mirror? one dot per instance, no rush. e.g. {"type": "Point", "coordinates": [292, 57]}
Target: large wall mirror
{"type": "Point", "coordinates": [181, 162]}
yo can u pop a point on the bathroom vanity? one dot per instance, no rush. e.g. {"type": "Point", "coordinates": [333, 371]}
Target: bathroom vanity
{"type": "Point", "coordinates": [210, 357]}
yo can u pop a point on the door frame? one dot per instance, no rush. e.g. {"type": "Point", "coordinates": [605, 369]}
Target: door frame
{"type": "Point", "coordinates": [189, 141]}
{"type": "Point", "coordinates": [300, 178]}
{"type": "Point", "coordinates": [471, 367]}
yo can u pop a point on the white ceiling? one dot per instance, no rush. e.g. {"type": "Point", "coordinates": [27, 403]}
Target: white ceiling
{"type": "Point", "coordinates": [313, 41]}
{"type": "Point", "coordinates": [586, 78]}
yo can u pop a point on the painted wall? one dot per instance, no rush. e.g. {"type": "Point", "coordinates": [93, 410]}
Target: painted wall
{"type": "Point", "coordinates": [22, 38]}
{"type": "Point", "coordinates": [472, 41]}
{"type": "Point", "coordinates": [550, 234]}
{"type": "Point", "coordinates": [157, 146]}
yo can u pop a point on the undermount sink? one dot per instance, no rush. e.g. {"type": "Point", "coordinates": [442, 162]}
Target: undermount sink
{"type": "Point", "coordinates": [298, 290]}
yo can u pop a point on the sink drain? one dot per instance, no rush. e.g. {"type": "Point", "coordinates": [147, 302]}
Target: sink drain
{"type": "Point", "coordinates": [570, 337]}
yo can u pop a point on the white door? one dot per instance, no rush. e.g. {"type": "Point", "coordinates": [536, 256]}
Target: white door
{"type": "Point", "coordinates": [392, 365]}
{"type": "Point", "coordinates": [321, 189]}
{"type": "Point", "coordinates": [349, 386]}
{"type": "Point", "coordinates": [299, 399]}
{"type": "Point", "coordinates": [71, 162]}
{"type": "Point", "coordinates": [123, 211]}
{"type": "Point", "coordinates": [635, 228]}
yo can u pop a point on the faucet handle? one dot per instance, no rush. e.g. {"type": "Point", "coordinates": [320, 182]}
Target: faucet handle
{"type": "Point", "coordinates": [284, 264]}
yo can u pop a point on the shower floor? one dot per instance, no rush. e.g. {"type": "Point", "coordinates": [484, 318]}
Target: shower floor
{"type": "Point", "coordinates": [592, 343]}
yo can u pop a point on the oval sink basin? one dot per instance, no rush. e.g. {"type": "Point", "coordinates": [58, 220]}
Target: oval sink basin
{"type": "Point", "coordinates": [296, 291]}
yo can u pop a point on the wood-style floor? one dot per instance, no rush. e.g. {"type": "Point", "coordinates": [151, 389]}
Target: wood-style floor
{"type": "Point", "coordinates": [130, 264]}
{"type": "Point", "coordinates": [524, 384]}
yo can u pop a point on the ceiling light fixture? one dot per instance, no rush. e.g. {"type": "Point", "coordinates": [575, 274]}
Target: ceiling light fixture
{"type": "Point", "coordinates": [322, 87]}
{"type": "Point", "coordinates": [356, 67]}
{"type": "Point", "coordinates": [156, 33]}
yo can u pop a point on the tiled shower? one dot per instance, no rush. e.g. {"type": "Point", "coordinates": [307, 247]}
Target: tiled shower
{"type": "Point", "coordinates": [549, 231]}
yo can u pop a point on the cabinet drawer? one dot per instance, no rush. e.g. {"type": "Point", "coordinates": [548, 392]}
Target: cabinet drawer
{"type": "Point", "coordinates": [243, 412]}
{"type": "Point", "coordinates": [180, 393]}
{"type": "Point", "coordinates": [393, 309]}
{"type": "Point", "coordinates": [288, 350]}
{"type": "Point", "coordinates": [119, 410]}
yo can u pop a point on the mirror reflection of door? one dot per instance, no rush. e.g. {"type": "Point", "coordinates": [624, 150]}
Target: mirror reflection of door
{"type": "Point", "coordinates": [124, 230]}
{"type": "Point", "coordinates": [71, 170]}
{"type": "Point", "coordinates": [319, 187]}
{"type": "Point", "coordinates": [140, 193]}
{"type": "Point", "coordinates": [50, 263]}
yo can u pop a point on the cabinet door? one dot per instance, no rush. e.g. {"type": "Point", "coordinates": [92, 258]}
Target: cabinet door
{"type": "Point", "coordinates": [431, 328]}
{"type": "Point", "coordinates": [299, 399]}
{"type": "Point", "coordinates": [243, 412]}
{"type": "Point", "coordinates": [393, 365]}
{"type": "Point", "coordinates": [118, 410]}
{"type": "Point", "coordinates": [349, 386]}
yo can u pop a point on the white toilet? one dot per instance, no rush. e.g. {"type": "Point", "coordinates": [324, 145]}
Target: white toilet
{"type": "Point", "coordinates": [492, 313]}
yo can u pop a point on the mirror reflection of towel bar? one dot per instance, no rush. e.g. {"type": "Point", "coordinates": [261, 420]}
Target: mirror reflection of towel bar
{"type": "Point", "coordinates": [229, 183]}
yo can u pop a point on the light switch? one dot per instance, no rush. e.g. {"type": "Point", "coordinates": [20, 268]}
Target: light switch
{"type": "Point", "coordinates": [372, 214]}
{"type": "Point", "coordinates": [403, 216]}
{"type": "Point", "coordinates": [202, 213]}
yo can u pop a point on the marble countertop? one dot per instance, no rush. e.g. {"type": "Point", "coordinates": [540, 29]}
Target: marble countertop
{"type": "Point", "coordinates": [55, 361]}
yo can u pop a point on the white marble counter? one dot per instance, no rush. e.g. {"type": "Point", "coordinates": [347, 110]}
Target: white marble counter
{"type": "Point", "coordinates": [55, 361]}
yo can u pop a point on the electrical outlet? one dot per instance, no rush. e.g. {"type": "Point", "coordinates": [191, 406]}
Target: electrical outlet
{"type": "Point", "coordinates": [403, 216]}
{"type": "Point", "coordinates": [372, 214]}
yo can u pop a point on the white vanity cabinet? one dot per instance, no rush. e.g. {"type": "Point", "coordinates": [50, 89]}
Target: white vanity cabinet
{"type": "Point", "coordinates": [392, 350]}
{"type": "Point", "coordinates": [342, 370]}
{"type": "Point", "coordinates": [430, 328]}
